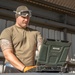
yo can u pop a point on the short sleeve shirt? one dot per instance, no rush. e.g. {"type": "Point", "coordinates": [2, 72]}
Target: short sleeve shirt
{"type": "Point", "coordinates": [24, 42]}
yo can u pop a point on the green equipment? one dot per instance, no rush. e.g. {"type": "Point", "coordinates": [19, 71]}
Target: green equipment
{"type": "Point", "coordinates": [52, 56]}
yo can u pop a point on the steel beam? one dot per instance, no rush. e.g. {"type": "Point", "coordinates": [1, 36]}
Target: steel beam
{"type": "Point", "coordinates": [39, 15]}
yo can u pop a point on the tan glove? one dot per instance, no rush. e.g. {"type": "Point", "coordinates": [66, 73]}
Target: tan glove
{"type": "Point", "coordinates": [28, 68]}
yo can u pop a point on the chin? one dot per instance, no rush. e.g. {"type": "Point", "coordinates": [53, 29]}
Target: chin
{"type": "Point", "coordinates": [24, 26]}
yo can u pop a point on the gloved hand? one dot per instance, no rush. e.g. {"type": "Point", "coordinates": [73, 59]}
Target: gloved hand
{"type": "Point", "coordinates": [28, 68]}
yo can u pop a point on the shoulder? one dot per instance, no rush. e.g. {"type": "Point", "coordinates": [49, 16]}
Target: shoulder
{"type": "Point", "coordinates": [7, 30]}
{"type": "Point", "coordinates": [32, 30]}
{"type": "Point", "coordinates": [35, 32]}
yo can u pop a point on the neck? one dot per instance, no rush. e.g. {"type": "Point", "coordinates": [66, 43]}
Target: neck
{"type": "Point", "coordinates": [20, 26]}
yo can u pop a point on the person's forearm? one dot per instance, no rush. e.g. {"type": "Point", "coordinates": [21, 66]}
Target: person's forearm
{"type": "Point", "coordinates": [14, 61]}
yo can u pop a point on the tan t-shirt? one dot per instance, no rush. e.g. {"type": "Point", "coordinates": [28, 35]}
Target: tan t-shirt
{"type": "Point", "coordinates": [24, 42]}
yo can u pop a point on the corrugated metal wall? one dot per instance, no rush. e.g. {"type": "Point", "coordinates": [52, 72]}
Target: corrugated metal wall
{"type": "Point", "coordinates": [65, 3]}
{"type": "Point", "coordinates": [46, 33]}
{"type": "Point", "coordinates": [51, 19]}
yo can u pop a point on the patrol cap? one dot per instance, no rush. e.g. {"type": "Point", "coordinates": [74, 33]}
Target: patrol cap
{"type": "Point", "coordinates": [23, 11]}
